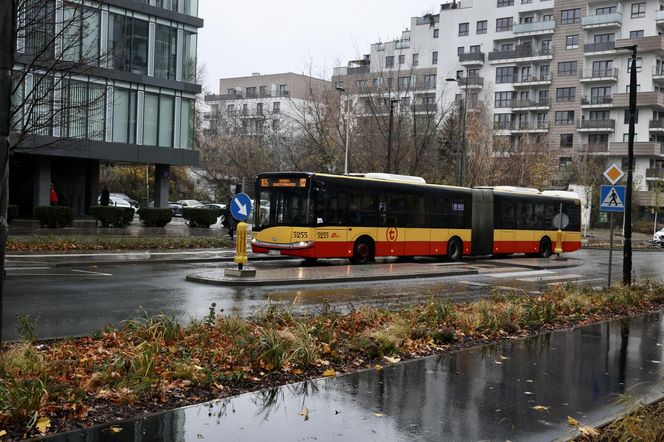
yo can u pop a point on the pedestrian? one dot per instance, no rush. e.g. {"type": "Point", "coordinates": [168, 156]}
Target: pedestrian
{"type": "Point", "coordinates": [229, 222]}
{"type": "Point", "coordinates": [54, 196]}
{"type": "Point", "coordinates": [105, 197]}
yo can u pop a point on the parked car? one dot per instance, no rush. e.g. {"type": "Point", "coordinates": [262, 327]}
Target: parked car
{"type": "Point", "coordinates": [124, 196]}
{"type": "Point", "coordinates": [658, 237]}
{"type": "Point", "coordinates": [190, 203]}
{"type": "Point", "coordinates": [176, 208]}
{"type": "Point", "coordinates": [220, 207]}
{"type": "Point", "coordinates": [117, 202]}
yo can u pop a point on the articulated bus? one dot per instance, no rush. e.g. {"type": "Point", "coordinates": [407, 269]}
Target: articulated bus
{"type": "Point", "coordinates": [361, 217]}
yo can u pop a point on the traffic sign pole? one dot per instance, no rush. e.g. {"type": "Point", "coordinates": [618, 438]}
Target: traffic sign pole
{"type": "Point", "coordinates": [610, 247]}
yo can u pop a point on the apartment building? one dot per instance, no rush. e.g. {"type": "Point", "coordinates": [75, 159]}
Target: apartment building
{"type": "Point", "coordinates": [257, 104]}
{"type": "Point", "coordinates": [551, 69]}
{"type": "Point", "coordinates": [114, 82]}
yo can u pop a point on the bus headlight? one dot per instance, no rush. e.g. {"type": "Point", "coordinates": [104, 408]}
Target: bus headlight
{"type": "Point", "coordinates": [302, 244]}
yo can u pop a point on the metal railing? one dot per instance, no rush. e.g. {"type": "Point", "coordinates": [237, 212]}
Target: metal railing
{"type": "Point", "coordinates": [596, 124]}
{"type": "Point", "coordinates": [474, 80]}
{"type": "Point", "coordinates": [471, 56]}
{"type": "Point", "coordinates": [530, 103]}
{"type": "Point", "coordinates": [520, 52]}
{"type": "Point", "coordinates": [655, 173]}
{"type": "Point", "coordinates": [430, 108]}
{"type": "Point", "coordinates": [601, 99]}
{"type": "Point", "coordinates": [656, 124]}
{"type": "Point", "coordinates": [601, 19]}
{"type": "Point", "coordinates": [601, 73]}
{"type": "Point", "coordinates": [533, 78]}
{"type": "Point", "coordinates": [596, 47]}
{"type": "Point", "coordinates": [534, 26]}
{"type": "Point", "coordinates": [596, 147]}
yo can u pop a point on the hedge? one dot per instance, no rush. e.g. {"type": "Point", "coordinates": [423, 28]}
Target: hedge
{"type": "Point", "coordinates": [155, 217]}
{"type": "Point", "coordinates": [54, 216]}
{"type": "Point", "coordinates": [197, 217]}
{"type": "Point", "coordinates": [113, 216]}
{"type": "Point", "coordinates": [12, 213]}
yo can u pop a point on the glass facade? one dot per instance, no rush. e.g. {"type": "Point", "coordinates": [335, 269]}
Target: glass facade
{"type": "Point", "coordinates": [187, 124]}
{"type": "Point", "coordinates": [124, 115]}
{"type": "Point", "coordinates": [166, 115]}
{"type": "Point", "coordinates": [150, 116]}
{"type": "Point", "coordinates": [81, 26]}
{"type": "Point", "coordinates": [189, 57]}
{"type": "Point", "coordinates": [128, 39]}
{"type": "Point", "coordinates": [165, 54]}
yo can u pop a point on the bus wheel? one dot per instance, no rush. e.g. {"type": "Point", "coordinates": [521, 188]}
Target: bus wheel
{"type": "Point", "coordinates": [545, 247]}
{"type": "Point", "coordinates": [454, 249]}
{"type": "Point", "coordinates": [362, 252]}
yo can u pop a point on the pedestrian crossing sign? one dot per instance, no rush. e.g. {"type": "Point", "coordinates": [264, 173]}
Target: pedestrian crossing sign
{"type": "Point", "coordinates": [612, 198]}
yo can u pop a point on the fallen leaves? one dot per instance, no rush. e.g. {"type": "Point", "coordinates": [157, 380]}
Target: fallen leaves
{"type": "Point", "coordinates": [329, 373]}
{"type": "Point", "coordinates": [305, 413]}
{"type": "Point", "coordinates": [589, 431]}
{"type": "Point", "coordinates": [540, 408]}
{"type": "Point", "coordinates": [392, 359]}
{"type": "Point", "coordinates": [43, 424]}
{"type": "Point", "coordinates": [573, 422]}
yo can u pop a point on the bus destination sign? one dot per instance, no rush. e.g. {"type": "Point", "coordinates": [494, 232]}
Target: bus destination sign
{"type": "Point", "coordinates": [283, 182]}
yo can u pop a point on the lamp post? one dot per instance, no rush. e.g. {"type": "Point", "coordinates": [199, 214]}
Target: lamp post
{"type": "Point", "coordinates": [393, 101]}
{"type": "Point", "coordinates": [627, 248]}
{"type": "Point", "coordinates": [343, 91]}
{"type": "Point", "coordinates": [462, 155]}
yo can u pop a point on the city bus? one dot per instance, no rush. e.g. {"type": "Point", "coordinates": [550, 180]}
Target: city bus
{"type": "Point", "coordinates": [361, 217]}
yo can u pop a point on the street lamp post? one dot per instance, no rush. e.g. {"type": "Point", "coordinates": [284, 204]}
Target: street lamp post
{"type": "Point", "coordinates": [462, 155]}
{"type": "Point", "coordinates": [627, 248]}
{"type": "Point", "coordinates": [342, 90]}
{"type": "Point", "coordinates": [393, 101]}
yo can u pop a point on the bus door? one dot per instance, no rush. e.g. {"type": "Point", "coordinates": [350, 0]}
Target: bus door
{"type": "Point", "coordinates": [482, 216]}
{"type": "Point", "coordinates": [417, 235]}
{"type": "Point", "coordinates": [331, 232]}
{"type": "Point", "coordinates": [505, 225]}
{"type": "Point", "coordinates": [391, 234]}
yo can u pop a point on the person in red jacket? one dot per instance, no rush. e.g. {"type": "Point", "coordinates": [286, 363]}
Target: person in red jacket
{"type": "Point", "coordinates": [54, 196]}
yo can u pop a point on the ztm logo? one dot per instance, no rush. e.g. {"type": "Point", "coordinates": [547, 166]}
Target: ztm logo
{"type": "Point", "coordinates": [392, 234]}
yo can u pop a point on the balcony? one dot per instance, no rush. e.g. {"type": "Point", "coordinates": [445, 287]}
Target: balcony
{"type": "Point", "coordinates": [474, 81]}
{"type": "Point", "coordinates": [601, 101]}
{"type": "Point", "coordinates": [648, 199]}
{"type": "Point", "coordinates": [596, 148]}
{"type": "Point", "coordinates": [529, 126]}
{"type": "Point", "coordinates": [658, 73]}
{"type": "Point", "coordinates": [646, 44]}
{"type": "Point", "coordinates": [424, 85]}
{"type": "Point", "coordinates": [520, 53]}
{"type": "Point", "coordinates": [542, 104]}
{"type": "Point", "coordinates": [613, 20]}
{"type": "Point", "coordinates": [542, 80]}
{"type": "Point", "coordinates": [360, 70]}
{"type": "Point", "coordinates": [597, 75]}
{"type": "Point", "coordinates": [472, 59]}
{"type": "Point", "coordinates": [644, 99]}
{"type": "Point", "coordinates": [655, 174]}
{"type": "Point", "coordinates": [641, 148]}
{"type": "Point", "coordinates": [535, 28]}
{"type": "Point", "coordinates": [425, 108]}
{"type": "Point", "coordinates": [599, 47]}
{"type": "Point", "coordinates": [659, 17]}
{"type": "Point", "coordinates": [595, 125]}
{"type": "Point", "coordinates": [656, 126]}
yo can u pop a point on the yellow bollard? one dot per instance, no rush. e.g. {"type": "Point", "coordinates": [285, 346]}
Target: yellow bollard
{"type": "Point", "coordinates": [241, 245]}
{"type": "Point", "coordinates": [559, 242]}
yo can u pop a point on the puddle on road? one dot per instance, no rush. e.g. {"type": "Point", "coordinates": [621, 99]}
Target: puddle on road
{"type": "Point", "coordinates": [494, 393]}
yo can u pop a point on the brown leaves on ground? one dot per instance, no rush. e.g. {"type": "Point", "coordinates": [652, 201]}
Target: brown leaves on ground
{"type": "Point", "coordinates": [63, 243]}
{"type": "Point", "coordinates": [153, 362]}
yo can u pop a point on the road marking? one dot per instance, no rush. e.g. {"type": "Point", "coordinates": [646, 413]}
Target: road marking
{"type": "Point", "coordinates": [478, 284]}
{"type": "Point", "coordinates": [26, 268]}
{"type": "Point", "coordinates": [92, 273]}
{"type": "Point", "coordinates": [526, 273]}
{"type": "Point", "coordinates": [550, 278]}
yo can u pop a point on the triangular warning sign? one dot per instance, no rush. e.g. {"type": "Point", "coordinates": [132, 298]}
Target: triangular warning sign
{"type": "Point", "coordinates": [613, 199]}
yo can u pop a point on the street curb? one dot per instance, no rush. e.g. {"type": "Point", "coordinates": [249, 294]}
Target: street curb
{"type": "Point", "coordinates": [237, 282]}
{"type": "Point", "coordinates": [160, 261]}
{"type": "Point", "coordinates": [570, 264]}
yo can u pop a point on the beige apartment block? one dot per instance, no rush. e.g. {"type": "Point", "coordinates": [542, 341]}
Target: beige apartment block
{"type": "Point", "coordinates": [551, 69]}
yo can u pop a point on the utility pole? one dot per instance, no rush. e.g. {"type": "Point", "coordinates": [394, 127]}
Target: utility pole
{"type": "Point", "coordinates": [7, 56]}
{"type": "Point", "coordinates": [390, 135]}
{"type": "Point", "coordinates": [627, 248]}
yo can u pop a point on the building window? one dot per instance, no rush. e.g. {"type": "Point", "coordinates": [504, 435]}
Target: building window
{"type": "Point", "coordinates": [639, 60]}
{"type": "Point", "coordinates": [275, 124]}
{"type": "Point", "coordinates": [150, 123]}
{"type": "Point", "coordinates": [435, 33]}
{"type": "Point", "coordinates": [503, 99]}
{"type": "Point", "coordinates": [389, 61]}
{"type": "Point", "coordinates": [259, 108]}
{"type": "Point", "coordinates": [565, 94]}
{"type": "Point", "coordinates": [569, 16]}
{"type": "Point", "coordinates": [565, 162]}
{"type": "Point", "coordinates": [434, 57]}
{"type": "Point", "coordinates": [187, 124]}
{"type": "Point", "coordinates": [505, 75]}
{"type": "Point", "coordinates": [636, 116]}
{"type": "Point", "coordinates": [638, 88]}
{"type": "Point", "coordinates": [459, 74]}
{"type": "Point", "coordinates": [571, 42]}
{"type": "Point", "coordinates": [547, 17]}
{"type": "Point", "coordinates": [416, 60]}
{"type": "Point", "coordinates": [605, 10]}
{"type": "Point", "coordinates": [189, 56]}
{"type": "Point", "coordinates": [80, 34]}
{"type": "Point", "coordinates": [250, 92]}
{"type": "Point", "coordinates": [636, 34]}
{"type": "Point", "coordinates": [276, 107]}
{"type": "Point", "coordinates": [430, 81]}
{"type": "Point", "coordinates": [502, 121]}
{"type": "Point", "coordinates": [166, 118]}
{"type": "Point", "coordinates": [626, 140]}
{"type": "Point", "coordinates": [638, 10]}
{"type": "Point", "coordinates": [463, 29]}
{"type": "Point", "coordinates": [402, 59]}
{"type": "Point", "coordinates": [165, 54]}
{"type": "Point", "coordinates": [124, 116]}
{"type": "Point", "coordinates": [503, 3]}
{"type": "Point", "coordinates": [230, 109]}
{"type": "Point", "coordinates": [504, 24]}
{"type": "Point", "coordinates": [567, 68]}
{"type": "Point", "coordinates": [482, 27]}
{"type": "Point", "coordinates": [566, 140]}
{"type": "Point", "coordinates": [128, 44]}
{"type": "Point", "coordinates": [475, 49]}
{"type": "Point", "coordinates": [564, 117]}
{"type": "Point", "coordinates": [460, 50]}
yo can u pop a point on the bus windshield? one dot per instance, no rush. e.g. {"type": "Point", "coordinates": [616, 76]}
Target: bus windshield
{"type": "Point", "coordinates": [284, 207]}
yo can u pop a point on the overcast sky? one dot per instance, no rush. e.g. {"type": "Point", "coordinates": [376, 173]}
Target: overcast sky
{"type": "Point", "coordinates": [273, 36]}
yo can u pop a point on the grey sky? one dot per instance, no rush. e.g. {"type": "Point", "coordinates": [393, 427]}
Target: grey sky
{"type": "Point", "coordinates": [272, 36]}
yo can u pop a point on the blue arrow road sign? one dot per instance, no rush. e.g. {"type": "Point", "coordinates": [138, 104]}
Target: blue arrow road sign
{"type": "Point", "coordinates": [241, 206]}
{"type": "Point", "coordinates": [612, 198]}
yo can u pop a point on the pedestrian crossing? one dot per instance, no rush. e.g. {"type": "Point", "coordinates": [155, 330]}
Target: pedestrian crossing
{"type": "Point", "coordinates": [523, 279]}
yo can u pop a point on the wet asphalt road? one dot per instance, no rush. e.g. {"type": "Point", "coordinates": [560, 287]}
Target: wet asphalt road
{"type": "Point", "coordinates": [76, 301]}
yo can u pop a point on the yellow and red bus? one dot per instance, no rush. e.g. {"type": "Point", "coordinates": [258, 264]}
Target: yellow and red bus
{"type": "Point", "coordinates": [361, 217]}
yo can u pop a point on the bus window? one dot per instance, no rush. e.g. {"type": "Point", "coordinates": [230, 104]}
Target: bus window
{"type": "Point", "coordinates": [524, 215]}
{"type": "Point", "coordinates": [539, 217]}
{"type": "Point", "coordinates": [549, 211]}
{"type": "Point", "coordinates": [457, 212]}
{"type": "Point", "coordinates": [573, 211]}
{"type": "Point", "coordinates": [505, 214]}
{"type": "Point", "coordinates": [395, 213]}
{"type": "Point", "coordinates": [416, 215]}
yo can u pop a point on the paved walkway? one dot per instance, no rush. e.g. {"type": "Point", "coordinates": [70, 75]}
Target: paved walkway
{"type": "Point", "coordinates": [374, 272]}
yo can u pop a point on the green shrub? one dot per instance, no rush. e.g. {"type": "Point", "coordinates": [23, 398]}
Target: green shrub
{"type": "Point", "coordinates": [12, 213]}
{"type": "Point", "coordinates": [54, 216]}
{"type": "Point", "coordinates": [113, 216]}
{"type": "Point", "coordinates": [197, 217]}
{"type": "Point", "coordinates": [155, 217]}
